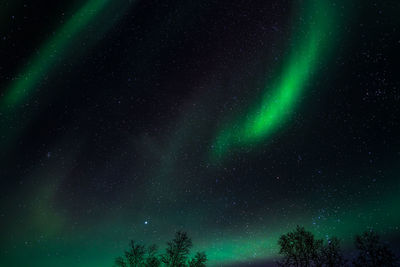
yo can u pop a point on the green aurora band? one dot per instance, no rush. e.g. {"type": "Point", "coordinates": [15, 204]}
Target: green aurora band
{"type": "Point", "coordinates": [93, 18]}
{"type": "Point", "coordinates": [45, 236]}
{"type": "Point", "coordinates": [48, 55]}
{"type": "Point", "coordinates": [311, 43]}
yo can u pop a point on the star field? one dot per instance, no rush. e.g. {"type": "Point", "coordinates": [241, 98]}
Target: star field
{"type": "Point", "coordinates": [232, 120]}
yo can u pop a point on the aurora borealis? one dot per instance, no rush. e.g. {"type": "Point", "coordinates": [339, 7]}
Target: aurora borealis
{"type": "Point", "coordinates": [232, 120]}
{"type": "Point", "coordinates": [315, 33]}
{"type": "Point", "coordinates": [48, 55]}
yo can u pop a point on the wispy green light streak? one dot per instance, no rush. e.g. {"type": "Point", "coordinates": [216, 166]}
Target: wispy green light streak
{"type": "Point", "coordinates": [279, 103]}
{"type": "Point", "coordinates": [48, 56]}
{"type": "Point", "coordinates": [87, 25]}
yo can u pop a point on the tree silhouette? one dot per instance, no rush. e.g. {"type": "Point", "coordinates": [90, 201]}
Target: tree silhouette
{"type": "Point", "coordinates": [139, 256]}
{"type": "Point", "coordinates": [152, 259]}
{"type": "Point", "coordinates": [199, 260]}
{"type": "Point", "coordinates": [177, 250]}
{"type": "Point", "coordinates": [372, 252]}
{"type": "Point", "coordinates": [135, 256]}
{"type": "Point", "coordinates": [120, 262]}
{"type": "Point", "coordinates": [300, 248]}
{"type": "Point", "coordinates": [176, 255]}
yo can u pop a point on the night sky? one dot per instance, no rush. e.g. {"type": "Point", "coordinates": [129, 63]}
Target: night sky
{"type": "Point", "coordinates": [232, 120]}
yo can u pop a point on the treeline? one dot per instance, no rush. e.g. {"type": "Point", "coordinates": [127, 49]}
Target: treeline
{"type": "Point", "coordinates": [298, 248]}
{"type": "Point", "coordinates": [176, 254]}
{"type": "Point", "coordinates": [301, 249]}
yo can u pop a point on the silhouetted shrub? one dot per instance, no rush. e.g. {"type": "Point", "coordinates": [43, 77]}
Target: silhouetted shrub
{"type": "Point", "coordinates": [151, 257]}
{"type": "Point", "coordinates": [372, 252]}
{"type": "Point", "coordinates": [300, 248]}
{"type": "Point", "coordinates": [177, 250]}
{"type": "Point", "coordinates": [199, 260]}
{"type": "Point", "coordinates": [176, 254]}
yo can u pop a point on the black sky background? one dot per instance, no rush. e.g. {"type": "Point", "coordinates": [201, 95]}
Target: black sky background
{"type": "Point", "coordinates": [129, 115]}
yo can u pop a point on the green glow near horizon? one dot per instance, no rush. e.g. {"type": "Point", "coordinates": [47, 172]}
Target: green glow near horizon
{"type": "Point", "coordinates": [279, 101]}
{"type": "Point", "coordinates": [48, 56]}
{"type": "Point", "coordinates": [43, 234]}
{"type": "Point", "coordinates": [382, 217]}
{"type": "Point", "coordinates": [100, 247]}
